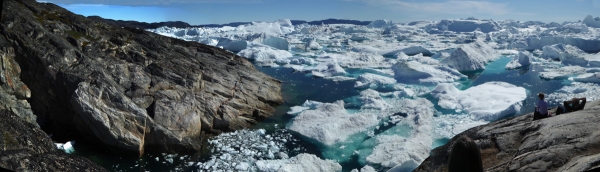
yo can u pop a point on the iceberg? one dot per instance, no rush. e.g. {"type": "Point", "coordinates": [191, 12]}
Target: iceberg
{"type": "Point", "coordinates": [471, 57]}
{"type": "Point", "coordinates": [570, 55]}
{"type": "Point", "coordinates": [277, 42]}
{"type": "Point", "coordinates": [266, 56]}
{"type": "Point", "coordinates": [575, 89]}
{"type": "Point", "coordinates": [381, 23]}
{"type": "Point", "coordinates": [488, 101]}
{"type": "Point", "coordinates": [591, 21]}
{"type": "Point", "coordinates": [413, 50]}
{"type": "Point", "coordinates": [300, 163]}
{"type": "Point", "coordinates": [393, 151]}
{"type": "Point", "coordinates": [413, 72]}
{"type": "Point", "coordinates": [330, 123]}
{"type": "Point", "coordinates": [562, 72]}
{"type": "Point", "coordinates": [67, 147]}
{"type": "Point", "coordinates": [520, 60]}
{"type": "Point", "coordinates": [371, 99]}
{"type": "Point", "coordinates": [583, 43]}
{"type": "Point", "coordinates": [374, 81]}
{"type": "Point", "coordinates": [469, 25]}
{"type": "Point", "coordinates": [588, 77]}
{"type": "Point", "coordinates": [328, 70]}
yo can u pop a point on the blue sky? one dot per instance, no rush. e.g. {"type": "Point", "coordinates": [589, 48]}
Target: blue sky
{"type": "Point", "coordinates": [224, 11]}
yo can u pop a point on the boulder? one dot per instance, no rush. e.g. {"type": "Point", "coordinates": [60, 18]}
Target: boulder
{"type": "Point", "coordinates": [567, 142]}
{"type": "Point", "coordinates": [126, 88]}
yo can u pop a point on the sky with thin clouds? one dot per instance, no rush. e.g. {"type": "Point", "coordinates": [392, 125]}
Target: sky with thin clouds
{"type": "Point", "coordinates": [225, 11]}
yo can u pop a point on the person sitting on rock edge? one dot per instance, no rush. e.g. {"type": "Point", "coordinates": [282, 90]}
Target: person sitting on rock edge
{"type": "Point", "coordinates": [465, 156]}
{"type": "Point", "coordinates": [541, 108]}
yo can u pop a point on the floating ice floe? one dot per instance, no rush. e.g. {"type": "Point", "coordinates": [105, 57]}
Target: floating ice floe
{"type": "Point", "coordinates": [590, 91]}
{"type": "Point", "coordinates": [488, 101]}
{"type": "Point", "coordinates": [300, 163]}
{"type": "Point", "coordinates": [562, 72]}
{"type": "Point", "coordinates": [370, 99]}
{"type": "Point", "coordinates": [242, 150]}
{"type": "Point", "coordinates": [330, 123]}
{"type": "Point", "coordinates": [413, 72]}
{"type": "Point", "coordinates": [471, 57]}
{"type": "Point", "coordinates": [67, 147]}
{"type": "Point", "coordinates": [393, 151]}
{"type": "Point", "coordinates": [522, 59]}
{"type": "Point", "coordinates": [374, 81]}
{"type": "Point", "coordinates": [366, 168]}
{"type": "Point", "coordinates": [588, 77]}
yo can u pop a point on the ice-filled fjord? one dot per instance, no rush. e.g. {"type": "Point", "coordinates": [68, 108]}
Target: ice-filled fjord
{"type": "Point", "coordinates": [381, 96]}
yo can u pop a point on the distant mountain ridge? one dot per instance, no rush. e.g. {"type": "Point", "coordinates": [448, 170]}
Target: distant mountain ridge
{"type": "Point", "coordinates": [180, 24]}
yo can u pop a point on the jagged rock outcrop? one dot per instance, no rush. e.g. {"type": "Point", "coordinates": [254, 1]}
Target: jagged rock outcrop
{"type": "Point", "coordinates": [13, 92]}
{"type": "Point", "coordinates": [127, 88]}
{"type": "Point", "coordinates": [25, 147]}
{"type": "Point", "coordinates": [567, 142]}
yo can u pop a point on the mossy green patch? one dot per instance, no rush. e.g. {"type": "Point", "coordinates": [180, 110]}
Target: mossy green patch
{"type": "Point", "coordinates": [9, 141]}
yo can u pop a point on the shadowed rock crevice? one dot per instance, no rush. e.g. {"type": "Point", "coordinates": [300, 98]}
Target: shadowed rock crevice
{"type": "Point", "coordinates": [124, 87]}
{"type": "Point", "coordinates": [25, 147]}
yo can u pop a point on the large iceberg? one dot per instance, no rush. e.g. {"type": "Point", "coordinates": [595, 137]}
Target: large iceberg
{"type": "Point", "coordinates": [266, 56]}
{"type": "Point", "coordinates": [562, 72]}
{"type": "Point", "coordinates": [471, 57]}
{"type": "Point", "coordinates": [469, 25]}
{"type": "Point", "coordinates": [488, 101]}
{"type": "Point", "coordinates": [520, 60]}
{"type": "Point", "coordinates": [330, 123]}
{"type": "Point", "coordinates": [591, 21]}
{"type": "Point", "coordinates": [413, 72]}
{"type": "Point", "coordinates": [393, 151]}
{"type": "Point", "coordinates": [374, 81]}
{"type": "Point", "coordinates": [381, 23]}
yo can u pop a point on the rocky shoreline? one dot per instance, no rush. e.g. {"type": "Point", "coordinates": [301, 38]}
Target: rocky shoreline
{"type": "Point", "coordinates": [567, 142]}
{"type": "Point", "coordinates": [131, 90]}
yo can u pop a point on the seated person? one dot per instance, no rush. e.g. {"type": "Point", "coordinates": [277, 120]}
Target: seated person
{"type": "Point", "coordinates": [541, 108]}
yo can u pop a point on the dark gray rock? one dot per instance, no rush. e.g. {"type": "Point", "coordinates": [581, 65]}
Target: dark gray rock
{"type": "Point", "coordinates": [25, 147]}
{"type": "Point", "coordinates": [567, 142]}
{"type": "Point", "coordinates": [127, 88]}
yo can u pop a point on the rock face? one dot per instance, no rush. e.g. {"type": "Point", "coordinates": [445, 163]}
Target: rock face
{"type": "Point", "coordinates": [567, 142]}
{"type": "Point", "coordinates": [25, 147]}
{"type": "Point", "coordinates": [127, 88]}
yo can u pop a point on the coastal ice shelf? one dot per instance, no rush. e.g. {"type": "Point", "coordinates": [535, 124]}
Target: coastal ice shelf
{"type": "Point", "coordinates": [414, 81]}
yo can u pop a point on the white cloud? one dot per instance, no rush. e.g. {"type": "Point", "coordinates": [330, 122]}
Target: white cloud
{"type": "Point", "coordinates": [447, 7]}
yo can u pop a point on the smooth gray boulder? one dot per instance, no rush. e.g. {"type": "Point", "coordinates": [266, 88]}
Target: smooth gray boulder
{"type": "Point", "coordinates": [567, 142]}
{"type": "Point", "coordinates": [126, 88]}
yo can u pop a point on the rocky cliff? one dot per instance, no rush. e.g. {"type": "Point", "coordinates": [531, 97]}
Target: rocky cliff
{"type": "Point", "coordinates": [567, 142]}
{"type": "Point", "coordinates": [126, 88]}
